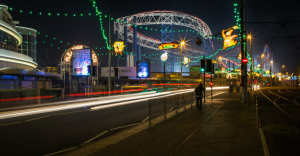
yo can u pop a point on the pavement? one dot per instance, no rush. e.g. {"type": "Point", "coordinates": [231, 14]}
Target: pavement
{"type": "Point", "coordinates": [225, 126]}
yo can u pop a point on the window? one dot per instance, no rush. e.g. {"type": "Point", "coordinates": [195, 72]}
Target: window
{"type": "Point", "coordinates": [24, 51]}
{"type": "Point", "coordinates": [215, 75]}
{"type": "Point", "coordinates": [20, 51]}
{"type": "Point", "coordinates": [29, 38]}
{"type": "Point", "coordinates": [220, 75]}
{"type": "Point", "coordinates": [1, 36]}
{"type": "Point", "coordinates": [29, 53]}
{"type": "Point", "coordinates": [24, 45]}
{"type": "Point", "coordinates": [29, 46]}
{"type": "Point", "coordinates": [24, 38]}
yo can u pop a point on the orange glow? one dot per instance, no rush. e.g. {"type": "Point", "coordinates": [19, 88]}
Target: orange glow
{"type": "Point", "coordinates": [25, 98]}
{"type": "Point", "coordinates": [228, 39]}
{"type": "Point", "coordinates": [172, 45]}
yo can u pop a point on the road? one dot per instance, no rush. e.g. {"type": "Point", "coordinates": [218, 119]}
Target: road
{"type": "Point", "coordinates": [279, 114]}
{"type": "Point", "coordinates": [59, 126]}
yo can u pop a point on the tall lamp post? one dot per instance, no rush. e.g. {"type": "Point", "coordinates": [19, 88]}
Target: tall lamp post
{"type": "Point", "coordinates": [262, 68]}
{"type": "Point", "coordinates": [281, 75]}
{"type": "Point", "coordinates": [182, 43]}
{"type": "Point", "coordinates": [271, 63]}
{"type": "Point", "coordinates": [109, 54]}
{"type": "Point", "coordinates": [251, 65]}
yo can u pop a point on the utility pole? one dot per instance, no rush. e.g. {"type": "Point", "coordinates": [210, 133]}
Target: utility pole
{"type": "Point", "coordinates": [297, 74]}
{"type": "Point", "coordinates": [243, 52]}
{"type": "Point", "coordinates": [204, 77]}
{"type": "Point", "coordinates": [109, 53]}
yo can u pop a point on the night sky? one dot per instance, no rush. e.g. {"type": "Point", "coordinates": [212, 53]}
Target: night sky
{"type": "Point", "coordinates": [217, 14]}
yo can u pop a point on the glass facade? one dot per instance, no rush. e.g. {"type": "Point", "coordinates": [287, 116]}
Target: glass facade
{"type": "Point", "coordinates": [28, 46]}
{"type": "Point", "coordinates": [8, 42]}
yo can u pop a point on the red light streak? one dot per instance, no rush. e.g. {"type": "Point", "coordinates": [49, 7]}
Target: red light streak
{"type": "Point", "coordinates": [25, 98]}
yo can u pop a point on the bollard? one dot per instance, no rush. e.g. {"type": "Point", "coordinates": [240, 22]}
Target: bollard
{"type": "Point", "coordinates": [149, 107]}
{"type": "Point", "coordinates": [257, 121]}
{"type": "Point", "coordinates": [177, 103]}
{"type": "Point", "coordinates": [165, 108]}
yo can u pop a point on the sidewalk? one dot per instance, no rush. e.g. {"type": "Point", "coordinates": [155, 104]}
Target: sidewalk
{"type": "Point", "coordinates": [225, 126]}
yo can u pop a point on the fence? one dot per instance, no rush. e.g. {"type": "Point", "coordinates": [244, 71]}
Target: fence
{"type": "Point", "coordinates": [163, 107]}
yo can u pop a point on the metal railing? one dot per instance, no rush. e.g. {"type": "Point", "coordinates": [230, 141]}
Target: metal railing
{"type": "Point", "coordinates": [163, 107]}
{"type": "Point", "coordinates": [8, 47]}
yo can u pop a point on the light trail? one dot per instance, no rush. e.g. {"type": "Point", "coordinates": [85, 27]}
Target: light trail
{"type": "Point", "coordinates": [108, 100]}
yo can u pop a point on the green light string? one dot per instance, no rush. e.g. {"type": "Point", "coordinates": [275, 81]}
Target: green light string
{"type": "Point", "coordinates": [101, 24]}
{"type": "Point", "coordinates": [41, 13]}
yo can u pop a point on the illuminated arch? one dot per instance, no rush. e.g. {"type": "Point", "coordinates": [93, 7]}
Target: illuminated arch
{"type": "Point", "coordinates": [67, 55]}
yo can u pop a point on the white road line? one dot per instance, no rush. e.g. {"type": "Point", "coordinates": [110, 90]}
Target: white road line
{"type": "Point", "coordinates": [10, 123]}
{"type": "Point", "coordinates": [146, 119]}
{"type": "Point", "coordinates": [61, 151]}
{"type": "Point", "coordinates": [94, 137]}
{"type": "Point", "coordinates": [125, 126]}
{"type": "Point", "coordinates": [36, 118]}
{"type": "Point", "coordinates": [264, 142]}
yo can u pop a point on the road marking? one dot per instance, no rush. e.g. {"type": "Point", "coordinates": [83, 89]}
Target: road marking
{"type": "Point", "coordinates": [36, 118]}
{"type": "Point", "coordinates": [146, 119]}
{"type": "Point", "coordinates": [125, 126]}
{"type": "Point", "coordinates": [68, 112]}
{"type": "Point", "coordinates": [94, 138]}
{"type": "Point", "coordinates": [170, 109]}
{"type": "Point", "coordinates": [61, 151]}
{"type": "Point", "coordinates": [10, 123]}
{"type": "Point", "coordinates": [264, 142]}
{"type": "Point", "coordinates": [284, 98]}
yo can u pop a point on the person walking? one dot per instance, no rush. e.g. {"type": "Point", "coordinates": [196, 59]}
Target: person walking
{"type": "Point", "coordinates": [199, 93]}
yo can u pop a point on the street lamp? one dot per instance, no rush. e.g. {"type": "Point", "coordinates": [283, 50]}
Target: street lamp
{"type": "Point", "coordinates": [262, 68]}
{"type": "Point", "coordinates": [271, 63]}
{"type": "Point", "coordinates": [182, 43]}
{"type": "Point", "coordinates": [281, 75]}
{"type": "Point", "coordinates": [109, 53]}
{"type": "Point", "coordinates": [251, 65]}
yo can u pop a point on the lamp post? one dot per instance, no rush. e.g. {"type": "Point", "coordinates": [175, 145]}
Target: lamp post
{"type": "Point", "coordinates": [271, 63]}
{"type": "Point", "coordinates": [109, 54]}
{"type": "Point", "coordinates": [262, 68]}
{"type": "Point", "coordinates": [281, 76]}
{"type": "Point", "coordinates": [182, 43]}
{"type": "Point", "coordinates": [251, 65]}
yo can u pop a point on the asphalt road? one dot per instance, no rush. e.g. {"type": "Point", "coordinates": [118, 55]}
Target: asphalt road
{"type": "Point", "coordinates": [46, 133]}
{"type": "Point", "coordinates": [280, 118]}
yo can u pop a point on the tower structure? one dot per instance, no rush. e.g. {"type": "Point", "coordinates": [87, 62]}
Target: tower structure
{"type": "Point", "coordinates": [167, 35]}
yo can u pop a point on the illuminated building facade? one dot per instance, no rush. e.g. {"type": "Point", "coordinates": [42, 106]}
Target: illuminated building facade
{"type": "Point", "coordinates": [11, 56]}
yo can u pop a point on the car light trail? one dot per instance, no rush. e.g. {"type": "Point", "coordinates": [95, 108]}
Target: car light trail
{"type": "Point", "coordinates": [32, 111]}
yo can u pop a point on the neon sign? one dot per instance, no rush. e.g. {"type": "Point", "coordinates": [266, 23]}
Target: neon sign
{"type": "Point", "coordinates": [119, 47]}
{"type": "Point", "coordinates": [172, 45]}
{"type": "Point", "coordinates": [228, 39]}
{"type": "Point", "coordinates": [164, 57]}
{"type": "Point", "coordinates": [186, 61]}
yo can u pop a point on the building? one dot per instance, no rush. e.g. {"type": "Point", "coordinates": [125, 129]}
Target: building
{"type": "Point", "coordinates": [10, 41]}
{"type": "Point", "coordinates": [29, 43]}
{"type": "Point", "coordinates": [18, 75]}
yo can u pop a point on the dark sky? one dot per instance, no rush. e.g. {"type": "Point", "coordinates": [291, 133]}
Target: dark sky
{"type": "Point", "coordinates": [217, 14]}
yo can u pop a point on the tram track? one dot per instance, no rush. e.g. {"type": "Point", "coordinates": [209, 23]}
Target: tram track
{"type": "Point", "coordinates": [279, 101]}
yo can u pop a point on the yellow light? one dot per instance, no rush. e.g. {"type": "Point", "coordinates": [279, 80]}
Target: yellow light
{"type": "Point", "coordinates": [119, 47]}
{"type": "Point", "coordinates": [282, 66]}
{"type": "Point", "coordinates": [34, 65]}
{"type": "Point", "coordinates": [249, 36]}
{"type": "Point", "coordinates": [262, 55]}
{"type": "Point", "coordinates": [235, 27]}
{"type": "Point", "coordinates": [228, 39]}
{"type": "Point", "coordinates": [172, 45]}
{"type": "Point", "coordinates": [182, 43]}
{"type": "Point", "coordinates": [13, 33]}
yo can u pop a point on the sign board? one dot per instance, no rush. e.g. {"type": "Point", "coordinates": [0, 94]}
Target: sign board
{"type": "Point", "coordinates": [8, 77]}
{"type": "Point", "coordinates": [29, 78]}
{"type": "Point", "coordinates": [119, 47]}
{"type": "Point", "coordinates": [172, 45]}
{"type": "Point", "coordinates": [122, 71]}
{"type": "Point", "coordinates": [143, 69]}
{"type": "Point", "coordinates": [81, 61]}
{"type": "Point", "coordinates": [164, 57]}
